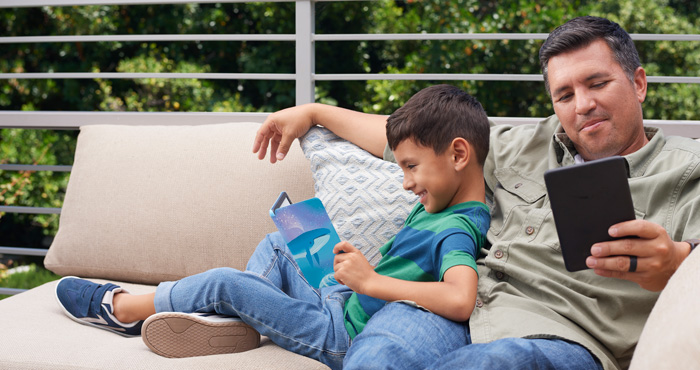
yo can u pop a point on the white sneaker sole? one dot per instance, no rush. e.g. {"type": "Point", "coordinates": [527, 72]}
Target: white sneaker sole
{"type": "Point", "coordinates": [177, 335]}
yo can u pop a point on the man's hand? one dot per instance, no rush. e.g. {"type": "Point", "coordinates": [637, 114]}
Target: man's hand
{"type": "Point", "coordinates": [280, 129]}
{"type": "Point", "coordinates": [351, 267]}
{"type": "Point", "coordinates": [658, 257]}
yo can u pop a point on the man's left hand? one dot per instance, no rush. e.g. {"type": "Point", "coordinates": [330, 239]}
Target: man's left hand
{"type": "Point", "coordinates": [658, 257]}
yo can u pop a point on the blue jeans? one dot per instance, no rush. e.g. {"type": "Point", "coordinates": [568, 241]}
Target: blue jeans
{"type": "Point", "coordinates": [273, 297]}
{"type": "Point", "coordinates": [403, 337]}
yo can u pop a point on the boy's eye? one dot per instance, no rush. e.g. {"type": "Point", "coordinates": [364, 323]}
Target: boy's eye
{"type": "Point", "coordinates": [410, 166]}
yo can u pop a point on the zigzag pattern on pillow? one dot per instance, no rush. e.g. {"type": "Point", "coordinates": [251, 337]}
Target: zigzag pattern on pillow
{"type": "Point", "coordinates": [363, 194]}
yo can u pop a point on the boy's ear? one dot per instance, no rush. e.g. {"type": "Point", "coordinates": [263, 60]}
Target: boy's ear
{"type": "Point", "coordinates": [461, 153]}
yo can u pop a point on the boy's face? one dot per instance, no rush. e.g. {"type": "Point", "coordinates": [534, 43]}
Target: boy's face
{"type": "Point", "coordinates": [430, 176]}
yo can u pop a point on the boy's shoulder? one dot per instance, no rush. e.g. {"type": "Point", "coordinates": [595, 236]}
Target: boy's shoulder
{"type": "Point", "coordinates": [468, 215]}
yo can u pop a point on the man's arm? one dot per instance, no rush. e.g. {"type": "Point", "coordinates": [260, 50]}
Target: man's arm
{"type": "Point", "coordinates": [658, 257]}
{"type": "Point", "coordinates": [452, 298]}
{"type": "Point", "coordinates": [281, 128]}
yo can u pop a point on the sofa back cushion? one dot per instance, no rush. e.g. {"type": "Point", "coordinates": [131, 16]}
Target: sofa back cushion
{"type": "Point", "coordinates": [363, 194]}
{"type": "Point", "coordinates": [146, 204]}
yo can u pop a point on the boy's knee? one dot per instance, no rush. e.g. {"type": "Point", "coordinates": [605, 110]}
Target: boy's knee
{"type": "Point", "coordinates": [377, 352]}
{"type": "Point", "coordinates": [221, 274]}
{"type": "Point", "coordinates": [400, 336]}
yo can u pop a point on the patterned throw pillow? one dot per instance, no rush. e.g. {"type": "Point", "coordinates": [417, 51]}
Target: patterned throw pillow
{"type": "Point", "coordinates": [363, 194]}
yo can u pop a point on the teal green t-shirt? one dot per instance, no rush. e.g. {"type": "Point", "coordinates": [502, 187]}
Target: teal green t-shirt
{"type": "Point", "coordinates": [427, 246]}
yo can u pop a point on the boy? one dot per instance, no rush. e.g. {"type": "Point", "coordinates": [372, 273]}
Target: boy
{"type": "Point", "coordinates": [440, 140]}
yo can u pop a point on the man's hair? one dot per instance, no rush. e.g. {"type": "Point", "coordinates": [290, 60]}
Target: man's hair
{"type": "Point", "coordinates": [437, 115]}
{"type": "Point", "coordinates": [581, 32]}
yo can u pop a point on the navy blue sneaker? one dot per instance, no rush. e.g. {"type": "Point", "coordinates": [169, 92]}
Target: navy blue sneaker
{"type": "Point", "coordinates": [90, 303]}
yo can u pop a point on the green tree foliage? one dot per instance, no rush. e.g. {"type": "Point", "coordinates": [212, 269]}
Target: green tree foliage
{"type": "Point", "coordinates": [477, 56]}
{"type": "Point", "coordinates": [664, 101]}
{"type": "Point", "coordinates": [32, 189]}
{"type": "Point", "coordinates": [161, 95]}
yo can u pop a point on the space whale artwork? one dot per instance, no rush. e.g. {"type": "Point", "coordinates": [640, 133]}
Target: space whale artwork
{"type": "Point", "coordinates": [310, 237]}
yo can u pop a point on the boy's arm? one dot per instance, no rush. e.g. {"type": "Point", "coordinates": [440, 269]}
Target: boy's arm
{"type": "Point", "coordinates": [281, 128]}
{"type": "Point", "coordinates": [452, 298]}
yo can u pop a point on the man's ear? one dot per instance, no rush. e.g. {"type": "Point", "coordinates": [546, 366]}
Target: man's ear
{"type": "Point", "coordinates": [640, 84]}
{"type": "Point", "coordinates": [461, 153]}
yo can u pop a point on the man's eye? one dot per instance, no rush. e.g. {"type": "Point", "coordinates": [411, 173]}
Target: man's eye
{"type": "Point", "coordinates": [411, 166]}
{"type": "Point", "coordinates": [565, 97]}
{"type": "Point", "coordinates": [599, 84]}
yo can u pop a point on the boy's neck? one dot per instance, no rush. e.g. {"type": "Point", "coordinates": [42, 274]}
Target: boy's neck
{"type": "Point", "coordinates": [472, 188]}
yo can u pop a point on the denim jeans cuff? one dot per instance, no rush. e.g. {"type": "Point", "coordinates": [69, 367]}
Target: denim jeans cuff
{"type": "Point", "coordinates": [162, 299]}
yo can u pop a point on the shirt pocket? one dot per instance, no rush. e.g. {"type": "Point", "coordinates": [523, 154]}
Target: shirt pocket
{"type": "Point", "coordinates": [513, 198]}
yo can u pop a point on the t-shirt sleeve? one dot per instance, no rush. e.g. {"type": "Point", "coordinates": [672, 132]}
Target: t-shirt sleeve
{"type": "Point", "coordinates": [388, 155]}
{"type": "Point", "coordinates": [456, 249]}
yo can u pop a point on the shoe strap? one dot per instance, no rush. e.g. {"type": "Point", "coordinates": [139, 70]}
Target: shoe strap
{"type": "Point", "coordinates": [97, 292]}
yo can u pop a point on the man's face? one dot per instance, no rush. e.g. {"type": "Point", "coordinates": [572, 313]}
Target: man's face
{"type": "Point", "coordinates": [598, 106]}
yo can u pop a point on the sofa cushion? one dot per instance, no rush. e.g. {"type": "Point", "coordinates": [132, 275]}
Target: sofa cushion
{"type": "Point", "coordinates": [363, 194]}
{"type": "Point", "coordinates": [147, 204]}
{"type": "Point", "coordinates": [671, 337]}
{"type": "Point", "coordinates": [38, 335]}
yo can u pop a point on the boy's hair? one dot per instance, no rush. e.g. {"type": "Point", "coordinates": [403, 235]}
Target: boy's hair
{"type": "Point", "coordinates": [437, 115]}
{"type": "Point", "coordinates": [581, 32]}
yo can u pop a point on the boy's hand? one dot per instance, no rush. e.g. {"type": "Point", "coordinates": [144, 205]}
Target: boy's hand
{"type": "Point", "coordinates": [452, 298]}
{"type": "Point", "coordinates": [280, 129]}
{"type": "Point", "coordinates": [351, 267]}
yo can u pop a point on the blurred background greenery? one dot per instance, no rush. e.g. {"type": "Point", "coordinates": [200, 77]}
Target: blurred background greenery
{"type": "Point", "coordinates": [518, 99]}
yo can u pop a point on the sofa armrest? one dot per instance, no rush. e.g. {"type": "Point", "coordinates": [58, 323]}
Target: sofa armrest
{"type": "Point", "coordinates": [671, 337]}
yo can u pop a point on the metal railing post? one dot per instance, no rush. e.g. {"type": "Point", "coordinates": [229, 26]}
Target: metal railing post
{"type": "Point", "coordinates": [305, 54]}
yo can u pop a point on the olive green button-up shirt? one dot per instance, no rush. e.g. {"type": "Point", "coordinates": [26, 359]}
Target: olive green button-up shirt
{"type": "Point", "coordinates": [524, 289]}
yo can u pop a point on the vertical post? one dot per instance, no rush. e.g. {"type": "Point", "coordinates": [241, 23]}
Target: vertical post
{"type": "Point", "coordinates": [305, 53]}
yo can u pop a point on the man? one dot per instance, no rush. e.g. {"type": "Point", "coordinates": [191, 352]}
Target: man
{"type": "Point", "coordinates": [530, 311]}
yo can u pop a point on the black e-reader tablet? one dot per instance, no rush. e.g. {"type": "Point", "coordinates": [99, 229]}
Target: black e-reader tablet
{"type": "Point", "coordinates": [586, 200]}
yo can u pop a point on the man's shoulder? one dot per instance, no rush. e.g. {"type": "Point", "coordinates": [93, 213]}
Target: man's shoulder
{"type": "Point", "coordinates": [524, 146]}
{"type": "Point", "coordinates": [525, 126]}
{"type": "Point", "coordinates": [681, 143]}
{"type": "Point", "coordinates": [513, 140]}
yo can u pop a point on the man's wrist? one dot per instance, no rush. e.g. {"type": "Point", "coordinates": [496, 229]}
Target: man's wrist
{"type": "Point", "coordinates": [693, 243]}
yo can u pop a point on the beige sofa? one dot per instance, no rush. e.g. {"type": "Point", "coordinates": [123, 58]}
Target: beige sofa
{"type": "Point", "coordinates": [147, 204]}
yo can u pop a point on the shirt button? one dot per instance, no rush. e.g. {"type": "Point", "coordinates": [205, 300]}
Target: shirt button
{"type": "Point", "coordinates": [479, 303]}
{"type": "Point", "coordinates": [518, 185]}
{"type": "Point", "coordinates": [530, 230]}
{"type": "Point", "coordinates": [500, 275]}
{"type": "Point", "coordinates": [498, 253]}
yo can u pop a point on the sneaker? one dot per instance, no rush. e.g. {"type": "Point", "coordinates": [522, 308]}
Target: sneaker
{"type": "Point", "coordinates": [176, 334]}
{"type": "Point", "coordinates": [90, 303]}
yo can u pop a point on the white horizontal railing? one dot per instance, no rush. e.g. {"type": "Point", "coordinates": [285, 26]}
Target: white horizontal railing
{"type": "Point", "coordinates": [167, 75]}
{"type": "Point", "coordinates": [304, 76]}
{"type": "Point", "coordinates": [147, 38]}
{"type": "Point", "coordinates": [73, 120]}
{"type": "Point", "coordinates": [35, 3]}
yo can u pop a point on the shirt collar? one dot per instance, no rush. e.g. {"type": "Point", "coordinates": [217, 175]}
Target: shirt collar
{"type": "Point", "coordinates": [637, 161]}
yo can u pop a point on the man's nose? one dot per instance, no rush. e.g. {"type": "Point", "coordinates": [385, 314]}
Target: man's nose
{"type": "Point", "coordinates": [585, 103]}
